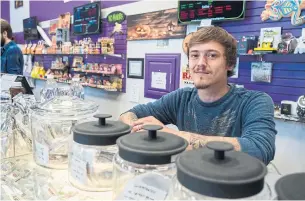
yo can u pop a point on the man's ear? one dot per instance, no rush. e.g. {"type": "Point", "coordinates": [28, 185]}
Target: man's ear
{"type": "Point", "coordinates": [4, 34]}
{"type": "Point", "coordinates": [230, 68]}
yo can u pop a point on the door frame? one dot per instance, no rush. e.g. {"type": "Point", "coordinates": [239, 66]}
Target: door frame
{"type": "Point", "coordinates": [177, 68]}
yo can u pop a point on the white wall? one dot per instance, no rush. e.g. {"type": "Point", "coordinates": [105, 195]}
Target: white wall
{"type": "Point", "coordinates": [17, 15]}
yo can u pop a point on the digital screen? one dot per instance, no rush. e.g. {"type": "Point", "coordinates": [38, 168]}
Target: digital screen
{"type": "Point", "coordinates": [87, 19]}
{"type": "Point", "coordinates": [189, 11]}
{"type": "Point", "coordinates": [30, 31]}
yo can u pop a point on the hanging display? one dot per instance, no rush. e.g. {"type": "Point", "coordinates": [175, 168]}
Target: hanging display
{"type": "Point", "coordinates": [192, 11]}
{"type": "Point", "coordinates": [275, 10]}
{"type": "Point", "coordinates": [116, 17]}
{"type": "Point", "coordinates": [87, 19]}
{"type": "Point", "coordinates": [155, 25]}
{"type": "Point", "coordinates": [261, 72]}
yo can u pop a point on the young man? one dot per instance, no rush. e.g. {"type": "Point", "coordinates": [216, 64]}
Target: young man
{"type": "Point", "coordinates": [11, 55]}
{"type": "Point", "coordinates": [213, 110]}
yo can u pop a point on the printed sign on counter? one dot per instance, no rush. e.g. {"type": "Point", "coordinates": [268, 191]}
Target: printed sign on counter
{"type": "Point", "coordinates": [148, 186]}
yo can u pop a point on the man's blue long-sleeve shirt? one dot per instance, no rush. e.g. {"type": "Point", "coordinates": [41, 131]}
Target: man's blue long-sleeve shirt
{"type": "Point", "coordinates": [244, 114]}
{"type": "Point", "coordinates": [11, 59]}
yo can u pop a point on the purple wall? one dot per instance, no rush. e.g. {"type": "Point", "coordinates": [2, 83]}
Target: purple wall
{"type": "Point", "coordinates": [288, 73]}
{"type": "Point", "coordinates": [46, 10]}
{"type": "Point", "coordinates": [5, 10]}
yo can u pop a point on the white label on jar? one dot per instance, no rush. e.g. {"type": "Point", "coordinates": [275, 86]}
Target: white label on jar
{"type": "Point", "coordinates": [138, 189]}
{"type": "Point", "coordinates": [42, 153]}
{"type": "Point", "coordinates": [79, 169]}
{"type": "Point", "coordinates": [141, 191]}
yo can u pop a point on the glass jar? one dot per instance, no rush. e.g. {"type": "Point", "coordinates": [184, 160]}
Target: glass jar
{"type": "Point", "coordinates": [218, 172]}
{"type": "Point", "coordinates": [91, 153]}
{"type": "Point", "coordinates": [145, 164]}
{"type": "Point", "coordinates": [291, 187]}
{"type": "Point", "coordinates": [6, 125]}
{"type": "Point", "coordinates": [51, 124]}
{"type": "Point", "coordinates": [77, 89]}
{"type": "Point", "coordinates": [49, 90]}
{"type": "Point", "coordinates": [22, 132]}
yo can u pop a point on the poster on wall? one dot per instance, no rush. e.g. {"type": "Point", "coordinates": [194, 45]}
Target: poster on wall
{"type": "Point", "coordinates": [261, 72]}
{"type": "Point", "coordinates": [18, 4]}
{"type": "Point", "coordinates": [155, 25]}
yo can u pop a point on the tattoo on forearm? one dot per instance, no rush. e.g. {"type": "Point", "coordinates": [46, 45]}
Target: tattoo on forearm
{"type": "Point", "coordinates": [128, 118]}
{"type": "Point", "coordinates": [196, 142]}
{"type": "Point", "coordinates": [133, 117]}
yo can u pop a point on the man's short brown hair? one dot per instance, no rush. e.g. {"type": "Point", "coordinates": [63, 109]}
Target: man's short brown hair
{"type": "Point", "coordinates": [5, 26]}
{"type": "Point", "coordinates": [219, 35]}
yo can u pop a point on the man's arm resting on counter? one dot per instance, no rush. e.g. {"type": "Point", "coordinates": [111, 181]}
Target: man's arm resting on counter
{"type": "Point", "coordinates": [128, 118]}
{"type": "Point", "coordinates": [197, 140]}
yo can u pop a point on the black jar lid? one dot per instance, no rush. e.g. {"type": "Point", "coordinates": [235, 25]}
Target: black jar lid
{"type": "Point", "coordinates": [217, 171]}
{"type": "Point", "coordinates": [152, 147]}
{"type": "Point", "coordinates": [101, 132]}
{"type": "Point", "coordinates": [291, 187]}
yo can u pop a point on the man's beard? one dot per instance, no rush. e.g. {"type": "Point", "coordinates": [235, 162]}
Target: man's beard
{"type": "Point", "coordinates": [201, 85]}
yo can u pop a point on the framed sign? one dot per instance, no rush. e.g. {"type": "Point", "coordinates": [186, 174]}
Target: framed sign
{"type": "Point", "coordinates": [135, 68]}
{"type": "Point", "coordinates": [18, 4]}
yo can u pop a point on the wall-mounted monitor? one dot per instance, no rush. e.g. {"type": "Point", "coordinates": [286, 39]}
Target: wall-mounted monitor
{"type": "Point", "coordinates": [87, 19]}
{"type": "Point", "coordinates": [30, 31]}
{"type": "Point", "coordinates": [194, 11]}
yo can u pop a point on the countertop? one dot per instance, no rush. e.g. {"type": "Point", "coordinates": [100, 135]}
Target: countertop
{"type": "Point", "coordinates": [57, 180]}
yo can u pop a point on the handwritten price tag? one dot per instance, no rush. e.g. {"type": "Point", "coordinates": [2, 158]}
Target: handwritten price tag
{"type": "Point", "coordinates": [138, 189]}
{"type": "Point", "coordinates": [41, 153]}
{"type": "Point", "coordinates": [79, 170]}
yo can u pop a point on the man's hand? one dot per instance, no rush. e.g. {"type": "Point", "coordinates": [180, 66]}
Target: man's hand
{"type": "Point", "coordinates": [138, 125]}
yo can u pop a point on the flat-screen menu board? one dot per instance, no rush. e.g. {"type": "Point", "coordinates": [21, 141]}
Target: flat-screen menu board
{"type": "Point", "coordinates": [190, 11]}
{"type": "Point", "coordinates": [30, 31]}
{"type": "Point", "coordinates": [87, 19]}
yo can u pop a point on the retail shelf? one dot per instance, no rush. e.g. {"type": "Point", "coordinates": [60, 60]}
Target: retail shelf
{"type": "Point", "coordinates": [98, 73]}
{"type": "Point", "coordinates": [277, 58]}
{"type": "Point", "coordinates": [95, 87]}
{"type": "Point", "coordinates": [96, 55]}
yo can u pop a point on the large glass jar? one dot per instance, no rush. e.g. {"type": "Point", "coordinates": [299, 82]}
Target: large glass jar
{"type": "Point", "coordinates": [51, 124]}
{"type": "Point", "coordinates": [91, 153]}
{"type": "Point", "coordinates": [217, 172]}
{"type": "Point", "coordinates": [291, 187]}
{"type": "Point", "coordinates": [145, 164]}
{"type": "Point", "coordinates": [6, 125]}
